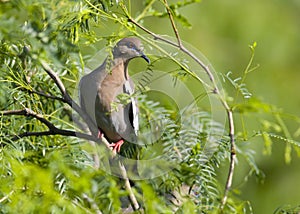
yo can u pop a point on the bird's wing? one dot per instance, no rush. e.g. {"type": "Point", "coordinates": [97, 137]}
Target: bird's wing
{"type": "Point", "coordinates": [133, 110]}
{"type": "Point", "coordinates": [80, 95]}
{"type": "Point", "coordinates": [88, 89]}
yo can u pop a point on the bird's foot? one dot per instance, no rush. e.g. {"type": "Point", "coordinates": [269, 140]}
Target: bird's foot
{"type": "Point", "coordinates": [100, 134]}
{"type": "Point", "coordinates": [117, 146]}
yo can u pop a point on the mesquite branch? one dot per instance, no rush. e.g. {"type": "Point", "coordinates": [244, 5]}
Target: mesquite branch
{"type": "Point", "coordinates": [67, 98]}
{"type": "Point", "coordinates": [52, 129]}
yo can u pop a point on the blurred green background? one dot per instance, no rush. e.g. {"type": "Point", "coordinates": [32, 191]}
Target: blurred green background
{"type": "Point", "coordinates": [222, 31]}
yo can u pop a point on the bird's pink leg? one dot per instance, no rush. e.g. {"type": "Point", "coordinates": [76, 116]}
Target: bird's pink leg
{"type": "Point", "coordinates": [100, 134]}
{"type": "Point", "coordinates": [117, 146]}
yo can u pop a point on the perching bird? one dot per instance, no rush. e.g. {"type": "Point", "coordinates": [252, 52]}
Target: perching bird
{"type": "Point", "coordinates": [99, 89]}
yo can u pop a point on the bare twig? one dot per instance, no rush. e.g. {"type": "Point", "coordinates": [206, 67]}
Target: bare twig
{"type": "Point", "coordinates": [6, 196]}
{"type": "Point", "coordinates": [216, 90]}
{"type": "Point", "coordinates": [134, 203]}
{"type": "Point", "coordinates": [52, 130]}
{"type": "Point", "coordinates": [67, 99]}
{"type": "Point", "coordinates": [232, 159]}
{"type": "Point", "coordinates": [92, 203]}
{"type": "Point", "coordinates": [174, 44]}
{"type": "Point", "coordinates": [46, 95]}
{"type": "Point", "coordinates": [173, 23]}
{"type": "Point", "coordinates": [182, 48]}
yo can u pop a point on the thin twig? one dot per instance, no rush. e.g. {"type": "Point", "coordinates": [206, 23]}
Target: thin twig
{"type": "Point", "coordinates": [67, 99]}
{"type": "Point", "coordinates": [46, 95]}
{"type": "Point", "coordinates": [154, 35]}
{"type": "Point", "coordinates": [173, 23]}
{"type": "Point", "coordinates": [92, 203]}
{"type": "Point", "coordinates": [182, 48]}
{"type": "Point", "coordinates": [232, 160]}
{"type": "Point", "coordinates": [52, 129]}
{"type": "Point", "coordinates": [29, 112]}
{"type": "Point", "coordinates": [216, 91]}
{"type": "Point", "coordinates": [6, 196]}
{"type": "Point", "coordinates": [133, 200]}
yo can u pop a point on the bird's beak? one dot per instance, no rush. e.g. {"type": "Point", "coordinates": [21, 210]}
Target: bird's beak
{"type": "Point", "coordinates": [145, 58]}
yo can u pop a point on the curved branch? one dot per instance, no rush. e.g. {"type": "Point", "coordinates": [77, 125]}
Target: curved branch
{"type": "Point", "coordinates": [173, 23]}
{"type": "Point", "coordinates": [41, 93]}
{"type": "Point", "coordinates": [67, 98]}
{"type": "Point", "coordinates": [133, 200]}
{"type": "Point", "coordinates": [52, 129]}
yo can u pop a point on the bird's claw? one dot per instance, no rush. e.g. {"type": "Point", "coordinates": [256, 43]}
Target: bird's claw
{"type": "Point", "coordinates": [117, 146]}
{"type": "Point", "coordinates": [100, 134]}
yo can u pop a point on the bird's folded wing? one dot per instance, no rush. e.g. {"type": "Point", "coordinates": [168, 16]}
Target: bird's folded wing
{"type": "Point", "coordinates": [134, 110]}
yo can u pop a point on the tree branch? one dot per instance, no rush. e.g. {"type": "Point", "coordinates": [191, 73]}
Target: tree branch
{"type": "Point", "coordinates": [232, 160]}
{"type": "Point", "coordinates": [67, 99]}
{"type": "Point", "coordinates": [93, 204]}
{"type": "Point", "coordinates": [173, 23]}
{"type": "Point", "coordinates": [134, 203]}
{"type": "Point", "coordinates": [46, 95]}
{"type": "Point", "coordinates": [52, 129]}
{"type": "Point", "coordinates": [6, 197]}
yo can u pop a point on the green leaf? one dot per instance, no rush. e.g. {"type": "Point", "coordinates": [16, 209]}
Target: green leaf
{"type": "Point", "coordinates": [267, 144]}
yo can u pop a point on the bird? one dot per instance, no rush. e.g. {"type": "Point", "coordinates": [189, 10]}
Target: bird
{"type": "Point", "coordinates": [99, 92]}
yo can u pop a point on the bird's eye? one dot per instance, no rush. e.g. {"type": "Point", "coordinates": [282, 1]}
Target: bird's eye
{"type": "Point", "coordinates": [131, 46]}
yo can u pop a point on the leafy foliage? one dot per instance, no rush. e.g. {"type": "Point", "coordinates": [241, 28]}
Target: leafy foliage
{"type": "Point", "coordinates": [57, 174]}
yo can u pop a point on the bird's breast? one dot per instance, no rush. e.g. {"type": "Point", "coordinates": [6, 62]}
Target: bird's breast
{"type": "Point", "coordinates": [112, 86]}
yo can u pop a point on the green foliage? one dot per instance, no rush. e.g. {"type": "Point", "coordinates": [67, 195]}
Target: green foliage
{"type": "Point", "coordinates": [56, 173]}
{"type": "Point", "coordinates": [287, 210]}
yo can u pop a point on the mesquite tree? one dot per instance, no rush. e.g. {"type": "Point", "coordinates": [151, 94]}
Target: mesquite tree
{"type": "Point", "coordinates": [50, 159]}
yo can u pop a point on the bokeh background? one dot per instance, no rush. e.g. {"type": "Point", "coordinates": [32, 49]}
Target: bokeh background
{"type": "Point", "coordinates": [222, 31]}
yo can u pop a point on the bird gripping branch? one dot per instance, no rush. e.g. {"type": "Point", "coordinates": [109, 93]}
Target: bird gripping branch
{"type": "Point", "coordinates": [99, 91]}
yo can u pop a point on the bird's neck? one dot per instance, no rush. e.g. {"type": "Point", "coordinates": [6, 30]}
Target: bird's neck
{"type": "Point", "coordinates": [120, 63]}
{"type": "Point", "coordinates": [117, 66]}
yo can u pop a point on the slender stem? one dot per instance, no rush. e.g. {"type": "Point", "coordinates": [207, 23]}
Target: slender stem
{"type": "Point", "coordinates": [132, 197]}
{"type": "Point", "coordinates": [173, 23]}
{"type": "Point", "coordinates": [46, 95]}
{"type": "Point", "coordinates": [157, 37]}
{"type": "Point", "coordinates": [232, 160]}
{"type": "Point", "coordinates": [6, 196]}
{"type": "Point", "coordinates": [52, 130]}
{"type": "Point", "coordinates": [92, 203]}
{"type": "Point", "coordinates": [67, 99]}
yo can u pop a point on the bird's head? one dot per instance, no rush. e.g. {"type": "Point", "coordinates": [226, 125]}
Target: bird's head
{"type": "Point", "coordinates": [129, 48]}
